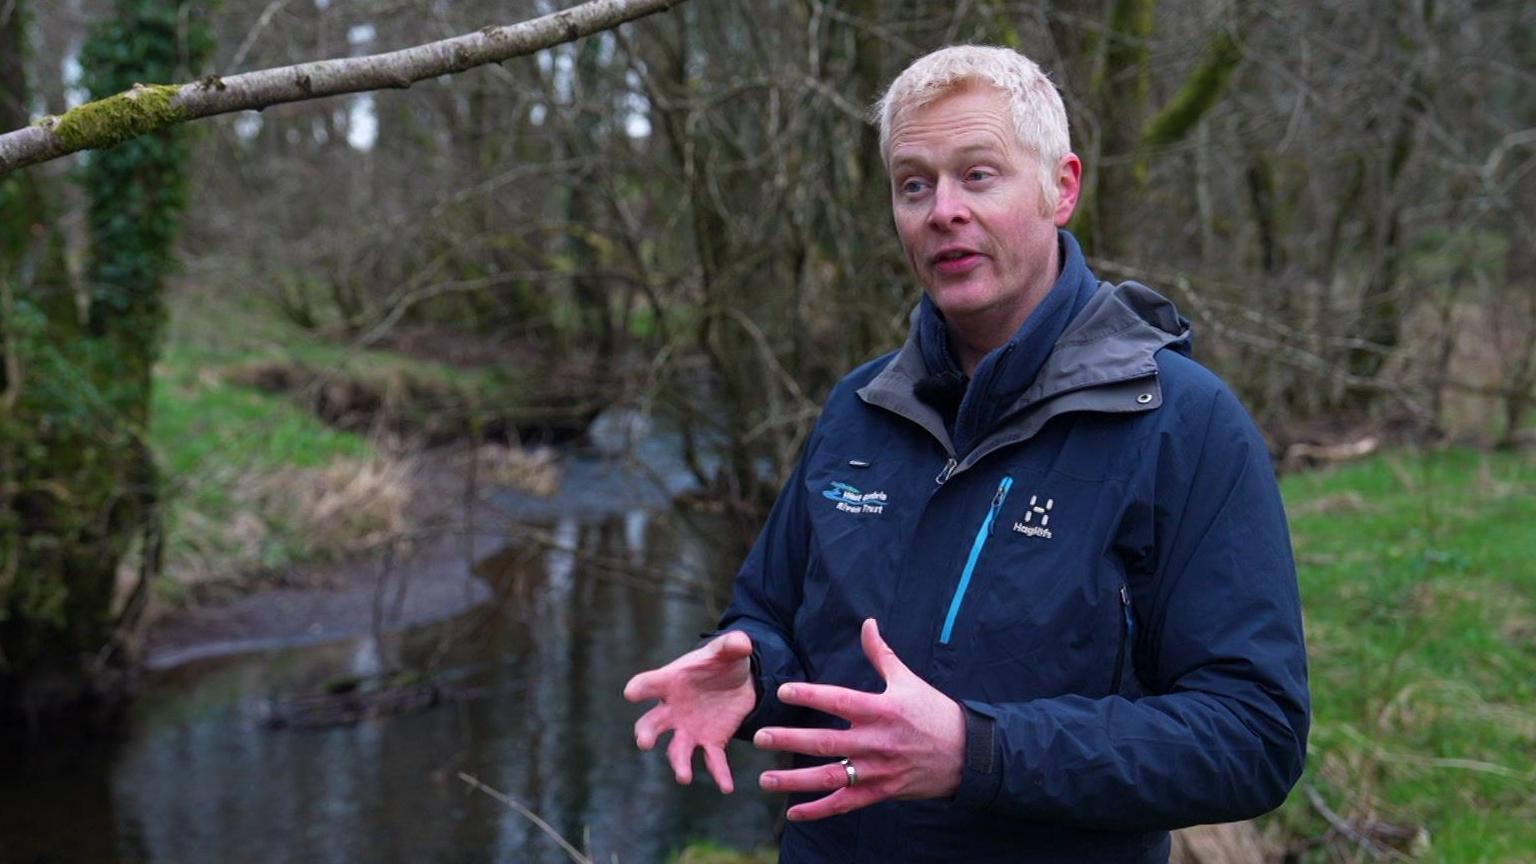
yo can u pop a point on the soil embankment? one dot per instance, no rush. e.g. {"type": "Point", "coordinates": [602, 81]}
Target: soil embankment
{"type": "Point", "coordinates": [426, 574]}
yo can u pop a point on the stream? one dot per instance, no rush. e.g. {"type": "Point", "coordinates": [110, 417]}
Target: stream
{"type": "Point", "coordinates": [195, 775]}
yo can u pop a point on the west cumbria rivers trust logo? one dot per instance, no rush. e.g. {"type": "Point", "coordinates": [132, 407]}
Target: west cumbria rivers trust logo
{"type": "Point", "coordinates": [851, 500]}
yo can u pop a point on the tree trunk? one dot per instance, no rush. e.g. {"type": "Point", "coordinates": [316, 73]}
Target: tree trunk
{"type": "Point", "coordinates": [593, 301]}
{"type": "Point", "coordinates": [1119, 96]}
{"type": "Point", "coordinates": [85, 482]}
{"type": "Point", "coordinates": [1129, 132]}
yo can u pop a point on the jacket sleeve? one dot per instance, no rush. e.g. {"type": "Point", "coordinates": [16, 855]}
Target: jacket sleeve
{"type": "Point", "coordinates": [765, 599]}
{"type": "Point", "coordinates": [1223, 737]}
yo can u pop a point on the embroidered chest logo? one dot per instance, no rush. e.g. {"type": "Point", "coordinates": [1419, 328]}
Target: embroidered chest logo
{"type": "Point", "coordinates": [851, 500]}
{"type": "Point", "coordinates": [1037, 519]}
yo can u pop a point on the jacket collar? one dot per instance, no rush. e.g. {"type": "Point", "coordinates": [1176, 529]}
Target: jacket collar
{"type": "Point", "coordinates": [1007, 371]}
{"type": "Point", "coordinates": [1095, 341]}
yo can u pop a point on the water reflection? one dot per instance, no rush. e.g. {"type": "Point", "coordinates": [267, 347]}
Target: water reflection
{"type": "Point", "coordinates": [56, 805]}
{"type": "Point", "coordinates": [635, 523]}
{"type": "Point", "coordinates": [560, 562]}
{"type": "Point", "coordinates": [197, 778]}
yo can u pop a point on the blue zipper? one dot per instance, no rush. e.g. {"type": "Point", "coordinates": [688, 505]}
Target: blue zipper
{"type": "Point", "coordinates": [982, 534]}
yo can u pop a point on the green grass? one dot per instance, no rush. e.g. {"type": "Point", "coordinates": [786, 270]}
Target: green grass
{"type": "Point", "coordinates": [704, 852]}
{"type": "Point", "coordinates": [227, 331]}
{"type": "Point", "coordinates": [1418, 576]}
{"type": "Point", "coordinates": [213, 438]}
{"type": "Point", "coordinates": [216, 438]}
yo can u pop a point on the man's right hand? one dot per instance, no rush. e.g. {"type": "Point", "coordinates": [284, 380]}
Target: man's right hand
{"type": "Point", "coordinates": [705, 694]}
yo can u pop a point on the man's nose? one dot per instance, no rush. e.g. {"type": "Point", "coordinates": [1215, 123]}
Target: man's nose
{"type": "Point", "coordinates": [949, 205]}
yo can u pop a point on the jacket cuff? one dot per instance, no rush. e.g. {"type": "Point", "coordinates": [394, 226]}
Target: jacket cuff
{"type": "Point", "coordinates": [982, 774]}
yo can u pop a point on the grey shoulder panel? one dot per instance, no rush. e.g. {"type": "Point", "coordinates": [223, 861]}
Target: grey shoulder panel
{"type": "Point", "coordinates": [893, 390]}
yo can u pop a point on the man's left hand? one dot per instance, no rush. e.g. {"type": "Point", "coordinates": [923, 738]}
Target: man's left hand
{"type": "Point", "coordinates": [907, 742]}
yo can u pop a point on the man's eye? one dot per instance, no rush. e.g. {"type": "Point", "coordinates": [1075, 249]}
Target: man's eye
{"type": "Point", "coordinates": [977, 175]}
{"type": "Point", "coordinates": [913, 187]}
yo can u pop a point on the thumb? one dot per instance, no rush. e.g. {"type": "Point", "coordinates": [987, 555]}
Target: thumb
{"type": "Point", "coordinates": [880, 654]}
{"type": "Point", "coordinates": [732, 645]}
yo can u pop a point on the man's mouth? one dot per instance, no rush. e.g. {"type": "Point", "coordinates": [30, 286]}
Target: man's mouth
{"type": "Point", "coordinates": [955, 261]}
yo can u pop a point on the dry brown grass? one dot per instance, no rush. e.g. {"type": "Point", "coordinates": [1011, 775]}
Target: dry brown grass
{"type": "Point", "coordinates": [281, 516]}
{"type": "Point", "coordinates": [535, 471]}
{"type": "Point", "coordinates": [349, 506]}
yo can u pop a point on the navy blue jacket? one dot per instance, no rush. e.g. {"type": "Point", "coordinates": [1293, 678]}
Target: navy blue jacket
{"type": "Point", "coordinates": [1102, 576]}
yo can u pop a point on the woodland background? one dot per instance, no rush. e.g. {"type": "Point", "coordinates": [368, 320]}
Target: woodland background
{"type": "Point", "coordinates": [230, 348]}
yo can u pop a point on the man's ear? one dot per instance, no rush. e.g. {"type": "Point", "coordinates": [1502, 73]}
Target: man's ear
{"type": "Point", "coordinates": [1069, 185]}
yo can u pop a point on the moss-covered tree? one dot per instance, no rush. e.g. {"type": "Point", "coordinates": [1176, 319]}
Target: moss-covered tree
{"type": "Point", "coordinates": [1129, 128]}
{"type": "Point", "coordinates": [81, 485]}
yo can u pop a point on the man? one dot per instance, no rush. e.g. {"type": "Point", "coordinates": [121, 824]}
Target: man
{"type": "Point", "coordinates": [1069, 533]}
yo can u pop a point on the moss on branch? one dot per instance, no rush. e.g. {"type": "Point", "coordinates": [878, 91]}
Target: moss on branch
{"type": "Point", "coordinates": [115, 119]}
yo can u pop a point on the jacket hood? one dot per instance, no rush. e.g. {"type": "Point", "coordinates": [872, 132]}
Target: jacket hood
{"type": "Point", "coordinates": [1114, 338]}
{"type": "Point", "coordinates": [1111, 338]}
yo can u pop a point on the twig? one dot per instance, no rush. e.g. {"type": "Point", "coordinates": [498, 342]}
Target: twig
{"type": "Point", "coordinates": [1344, 827]}
{"type": "Point", "coordinates": [1461, 764]}
{"type": "Point", "coordinates": [576, 854]}
{"type": "Point", "coordinates": [1282, 349]}
{"type": "Point", "coordinates": [250, 38]}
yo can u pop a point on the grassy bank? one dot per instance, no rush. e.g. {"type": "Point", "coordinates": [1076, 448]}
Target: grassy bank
{"type": "Point", "coordinates": [257, 481]}
{"type": "Point", "coordinates": [1418, 577]}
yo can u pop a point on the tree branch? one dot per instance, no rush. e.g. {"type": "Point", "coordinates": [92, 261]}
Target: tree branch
{"type": "Point", "coordinates": [145, 109]}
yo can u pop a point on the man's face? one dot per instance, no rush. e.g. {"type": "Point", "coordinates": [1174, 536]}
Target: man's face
{"type": "Point", "coordinates": [966, 196]}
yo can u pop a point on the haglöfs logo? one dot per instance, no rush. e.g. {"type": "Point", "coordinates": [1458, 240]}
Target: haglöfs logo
{"type": "Point", "coordinates": [1028, 527]}
{"type": "Point", "coordinates": [851, 500]}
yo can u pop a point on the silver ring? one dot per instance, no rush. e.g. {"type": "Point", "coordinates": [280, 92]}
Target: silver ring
{"type": "Point", "coordinates": [853, 773]}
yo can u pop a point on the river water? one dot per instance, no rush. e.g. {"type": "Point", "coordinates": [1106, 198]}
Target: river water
{"type": "Point", "coordinates": [194, 775]}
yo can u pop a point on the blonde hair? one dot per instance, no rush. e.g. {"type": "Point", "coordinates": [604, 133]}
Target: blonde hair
{"type": "Point", "coordinates": [1039, 117]}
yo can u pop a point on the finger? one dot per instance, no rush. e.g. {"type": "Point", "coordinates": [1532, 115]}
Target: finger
{"type": "Point", "coordinates": [844, 800]}
{"type": "Point", "coordinates": [880, 654]}
{"type": "Point", "coordinates": [646, 685]}
{"type": "Point", "coordinates": [650, 726]}
{"type": "Point", "coordinates": [719, 768]}
{"type": "Point", "coordinates": [852, 705]}
{"type": "Point", "coordinates": [821, 778]}
{"type": "Point", "coordinates": [811, 742]}
{"type": "Point", "coordinates": [680, 754]}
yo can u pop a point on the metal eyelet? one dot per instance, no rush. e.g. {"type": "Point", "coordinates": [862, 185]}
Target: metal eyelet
{"type": "Point", "coordinates": [1144, 398]}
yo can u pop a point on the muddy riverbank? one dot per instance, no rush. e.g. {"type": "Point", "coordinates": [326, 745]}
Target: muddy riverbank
{"type": "Point", "coordinates": [425, 574]}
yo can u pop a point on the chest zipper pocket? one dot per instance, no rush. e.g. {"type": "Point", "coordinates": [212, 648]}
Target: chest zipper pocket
{"type": "Point", "coordinates": [1127, 633]}
{"type": "Point", "coordinates": [982, 533]}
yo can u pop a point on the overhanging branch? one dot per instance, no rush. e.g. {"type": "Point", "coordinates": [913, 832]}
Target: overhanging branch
{"type": "Point", "coordinates": [145, 109]}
